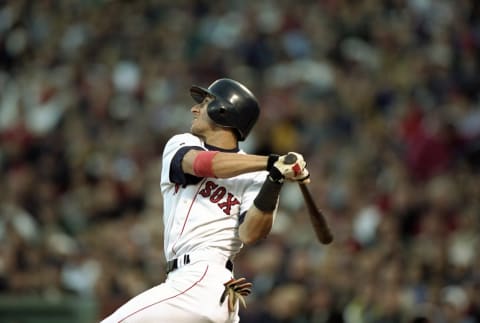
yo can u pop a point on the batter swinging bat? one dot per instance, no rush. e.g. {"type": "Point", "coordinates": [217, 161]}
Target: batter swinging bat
{"type": "Point", "coordinates": [317, 218]}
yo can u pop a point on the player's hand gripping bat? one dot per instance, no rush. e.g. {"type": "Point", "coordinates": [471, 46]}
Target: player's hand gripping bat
{"type": "Point", "coordinates": [317, 218]}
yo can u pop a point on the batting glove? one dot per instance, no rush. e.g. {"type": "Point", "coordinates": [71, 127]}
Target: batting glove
{"type": "Point", "coordinates": [236, 290]}
{"type": "Point", "coordinates": [303, 177]}
{"type": "Point", "coordinates": [289, 166]}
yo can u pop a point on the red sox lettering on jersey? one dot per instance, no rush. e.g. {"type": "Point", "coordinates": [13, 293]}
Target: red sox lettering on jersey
{"type": "Point", "coordinates": [216, 193]}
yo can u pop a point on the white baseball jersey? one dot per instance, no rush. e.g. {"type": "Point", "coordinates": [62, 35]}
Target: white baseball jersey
{"type": "Point", "coordinates": [201, 218]}
{"type": "Point", "coordinates": [202, 213]}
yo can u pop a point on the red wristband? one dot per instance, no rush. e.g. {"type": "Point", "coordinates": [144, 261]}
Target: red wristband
{"type": "Point", "coordinates": [202, 165]}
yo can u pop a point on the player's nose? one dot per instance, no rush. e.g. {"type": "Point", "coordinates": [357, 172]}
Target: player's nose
{"type": "Point", "coordinates": [195, 109]}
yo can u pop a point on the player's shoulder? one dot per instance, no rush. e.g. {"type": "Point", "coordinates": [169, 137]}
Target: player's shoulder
{"type": "Point", "coordinates": [184, 139]}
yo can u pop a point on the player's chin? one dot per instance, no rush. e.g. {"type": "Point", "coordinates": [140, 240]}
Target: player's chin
{"type": "Point", "coordinates": [194, 130]}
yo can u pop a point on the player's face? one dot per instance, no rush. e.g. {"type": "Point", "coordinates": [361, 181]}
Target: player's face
{"type": "Point", "coordinates": [201, 123]}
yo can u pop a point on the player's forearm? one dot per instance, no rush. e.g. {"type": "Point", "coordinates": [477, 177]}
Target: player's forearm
{"type": "Point", "coordinates": [256, 226]}
{"type": "Point", "coordinates": [259, 218]}
{"type": "Point", "coordinates": [226, 165]}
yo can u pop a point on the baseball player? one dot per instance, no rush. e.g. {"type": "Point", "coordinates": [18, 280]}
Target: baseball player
{"type": "Point", "coordinates": [216, 198]}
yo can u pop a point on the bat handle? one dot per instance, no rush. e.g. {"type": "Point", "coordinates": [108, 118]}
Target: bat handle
{"type": "Point", "coordinates": [317, 218]}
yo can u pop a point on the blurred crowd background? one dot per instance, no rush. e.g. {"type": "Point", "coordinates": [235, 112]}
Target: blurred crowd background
{"type": "Point", "coordinates": [381, 96]}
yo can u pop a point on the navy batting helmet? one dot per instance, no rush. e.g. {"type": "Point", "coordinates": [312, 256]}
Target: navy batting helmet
{"type": "Point", "coordinates": [234, 106]}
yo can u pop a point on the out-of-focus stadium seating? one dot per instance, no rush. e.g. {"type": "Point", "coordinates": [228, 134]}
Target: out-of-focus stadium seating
{"type": "Point", "coordinates": [382, 97]}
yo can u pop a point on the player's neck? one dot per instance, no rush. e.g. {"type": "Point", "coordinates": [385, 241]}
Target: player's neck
{"type": "Point", "coordinates": [225, 140]}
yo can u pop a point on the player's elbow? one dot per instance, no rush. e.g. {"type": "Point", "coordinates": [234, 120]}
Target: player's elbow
{"type": "Point", "coordinates": [251, 234]}
{"type": "Point", "coordinates": [249, 239]}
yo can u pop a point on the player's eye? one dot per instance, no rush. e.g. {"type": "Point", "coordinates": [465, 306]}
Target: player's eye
{"type": "Point", "coordinates": [208, 99]}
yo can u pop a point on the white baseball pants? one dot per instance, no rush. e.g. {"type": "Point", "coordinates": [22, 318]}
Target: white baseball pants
{"type": "Point", "coordinates": [190, 294]}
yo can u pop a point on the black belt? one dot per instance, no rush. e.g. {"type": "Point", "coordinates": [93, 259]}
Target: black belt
{"type": "Point", "coordinates": [173, 264]}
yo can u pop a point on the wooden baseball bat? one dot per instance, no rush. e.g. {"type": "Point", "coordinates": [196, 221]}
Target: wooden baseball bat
{"type": "Point", "coordinates": [317, 218]}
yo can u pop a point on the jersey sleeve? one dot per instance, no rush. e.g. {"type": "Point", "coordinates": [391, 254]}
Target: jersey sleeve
{"type": "Point", "coordinates": [173, 154]}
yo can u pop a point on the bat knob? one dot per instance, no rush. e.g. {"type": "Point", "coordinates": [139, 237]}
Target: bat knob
{"type": "Point", "coordinates": [290, 159]}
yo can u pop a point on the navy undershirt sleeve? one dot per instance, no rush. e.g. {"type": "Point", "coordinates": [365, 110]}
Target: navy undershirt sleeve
{"type": "Point", "coordinates": [176, 172]}
{"type": "Point", "coordinates": [241, 217]}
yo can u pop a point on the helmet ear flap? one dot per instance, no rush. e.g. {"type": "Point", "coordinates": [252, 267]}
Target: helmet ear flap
{"type": "Point", "coordinates": [221, 112]}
